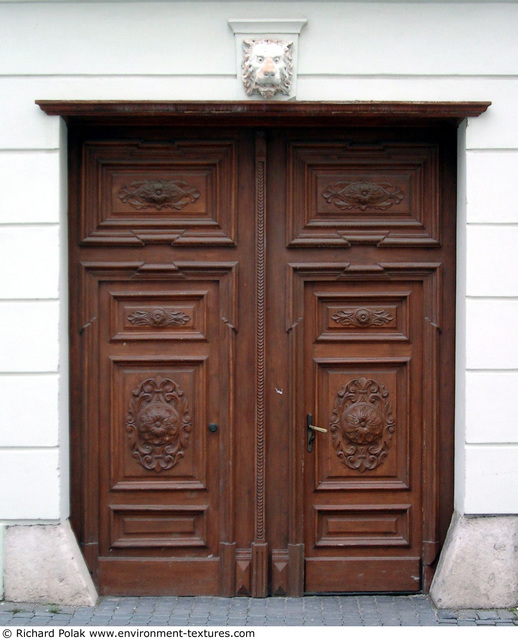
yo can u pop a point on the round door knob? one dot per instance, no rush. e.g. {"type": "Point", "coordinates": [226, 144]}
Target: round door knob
{"type": "Point", "coordinates": [213, 427]}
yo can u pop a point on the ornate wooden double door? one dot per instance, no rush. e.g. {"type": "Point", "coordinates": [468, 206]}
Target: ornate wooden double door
{"type": "Point", "coordinates": [233, 287]}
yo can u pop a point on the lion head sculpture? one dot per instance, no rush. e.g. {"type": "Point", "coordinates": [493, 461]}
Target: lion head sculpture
{"type": "Point", "coordinates": [267, 67]}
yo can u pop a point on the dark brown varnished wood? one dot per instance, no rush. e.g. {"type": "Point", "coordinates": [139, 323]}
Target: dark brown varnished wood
{"type": "Point", "coordinates": [265, 113]}
{"type": "Point", "coordinates": [356, 338]}
{"type": "Point", "coordinates": [244, 276]}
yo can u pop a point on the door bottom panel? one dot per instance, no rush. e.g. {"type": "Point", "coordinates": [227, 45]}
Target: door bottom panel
{"type": "Point", "coordinates": [164, 576]}
{"type": "Point", "coordinates": [362, 574]}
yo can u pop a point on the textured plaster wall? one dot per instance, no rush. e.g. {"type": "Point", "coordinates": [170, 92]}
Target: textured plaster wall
{"type": "Point", "coordinates": [185, 51]}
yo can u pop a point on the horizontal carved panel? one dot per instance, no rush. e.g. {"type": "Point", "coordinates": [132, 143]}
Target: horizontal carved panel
{"type": "Point", "coordinates": [362, 525]}
{"type": "Point", "coordinates": [181, 193]}
{"type": "Point", "coordinates": [158, 526]}
{"type": "Point", "coordinates": [160, 315]}
{"type": "Point", "coordinates": [364, 407]}
{"type": "Point", "coordinates": [341, 194]}
{"type": "Point", "coordinates": [364, 316]}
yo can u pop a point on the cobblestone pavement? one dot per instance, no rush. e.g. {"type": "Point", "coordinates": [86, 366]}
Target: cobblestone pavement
{"type": "Point", "coordinates": [202, 611]}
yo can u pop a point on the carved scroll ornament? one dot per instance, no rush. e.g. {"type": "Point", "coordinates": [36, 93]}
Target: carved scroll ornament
{"type": "Point", "coordinates": [158, 424]}
{"type": "Point", "coordinates": [362, 317]}
{"type": "Point", "coordinates": [158, 194]}
{"type": "Point", "coordinates": [159, 318]}
{"type": "Point", "coordinates": [362, 424]}
{"type": "Point", "coordinates": [363, 195]}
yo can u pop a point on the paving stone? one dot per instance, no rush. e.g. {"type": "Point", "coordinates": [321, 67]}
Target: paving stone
{"type": "Point", "coordinates": [37, 621]}
{"type": "Point", "coordinates": [445, 614]}
{"type": "Point", "coordinates": [280, 611]}
{"type": "Point", "coordinates": [487, 615]}
{"type": "Point", "coordinates": [505, 614]}
{"type": "Point", "coordinates": [391, 620]}
{"type": "Point", "coordinates": [467, 614]}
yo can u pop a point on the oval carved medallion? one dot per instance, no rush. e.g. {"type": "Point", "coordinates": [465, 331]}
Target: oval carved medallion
{"type": "Point", "coordinates": [158, 424]}
{"type": "Point", "coordinates": [363, 195]}
{"type": "Point", "coordinates": [158, 194]}
{"type": "Point", "coordinates": [362, 424]}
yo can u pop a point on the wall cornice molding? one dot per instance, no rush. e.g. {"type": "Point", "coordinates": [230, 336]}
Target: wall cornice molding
{"type": "Point", "coordinates": [256, 113]}
{"type": "Point", "coordinates": [273, 25]}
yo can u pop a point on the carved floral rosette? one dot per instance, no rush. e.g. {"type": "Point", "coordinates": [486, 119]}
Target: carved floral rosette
{"type": "Point", "coordinates": [159, 318]}
{"type": "Point", "coordinates": [158, 424]}
{"type": "Point", "coordinates": [362, 424]}
{"type": "Point", "coordinates": [362, 317]}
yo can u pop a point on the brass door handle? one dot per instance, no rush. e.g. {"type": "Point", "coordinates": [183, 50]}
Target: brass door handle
{"type": "Point", "coordinates": [321, 429]}
{"type": "Point", "coordinates": [311, 428]}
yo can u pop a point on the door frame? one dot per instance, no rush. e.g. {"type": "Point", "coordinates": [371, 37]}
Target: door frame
{"type": "Point", "coordinates": [447, 115]}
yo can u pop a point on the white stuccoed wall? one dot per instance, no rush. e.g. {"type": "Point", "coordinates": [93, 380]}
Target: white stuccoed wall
{"type": "Point", "coordinates": [186, 51]}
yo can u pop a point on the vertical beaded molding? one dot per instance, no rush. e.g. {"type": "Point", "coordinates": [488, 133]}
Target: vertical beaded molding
{"type": "Point", "coordinates": [259, 546]}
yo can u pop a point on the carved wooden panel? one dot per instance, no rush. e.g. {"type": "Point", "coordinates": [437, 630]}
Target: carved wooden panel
{"type": "Point", "coordinates": [160, 315]}
{"type": "Point", "coordinates": [158, 424]}
{"type": "Point", "coordinates": [362, 525]}
{"type": "Point", "coordinates": [243, 572]}
{"type": "Point", "coordinates": [341, 194]}
{"type": "Point", "coordinates": [367, 316]}
{"type": "Point", "coordinates": [364, 406]}
{"type": "Point", "coordinates": [146, 526]}
{"type": "Point", "coordinates": [180, 193]}
{"type": "Point", "coordinates": [362, 425]}
{"type": "Point", "coordinates": [280, 562]}
{"type": "Point", "coordinates": [160, 407]}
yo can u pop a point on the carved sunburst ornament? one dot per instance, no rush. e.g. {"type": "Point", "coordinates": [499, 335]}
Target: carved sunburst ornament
{"type": "Point", "coordinates": [158, 424]}
{"type": "Point", "coordinates": [362, 424]}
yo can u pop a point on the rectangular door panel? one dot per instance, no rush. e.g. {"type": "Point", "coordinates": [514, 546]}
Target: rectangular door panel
{"type": "Point", "coordinates": [365, 406]}
{"type": "Point", "coordinates": [366, 573]}
{"type": "Point", "coordinates": [163, 407]}
{"type": "Point", "coordinates": [341, 193]}
{"type": "Point", "coordinates": [341, 526]}
{"type": "Point", "coordinates": [182, 192]}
